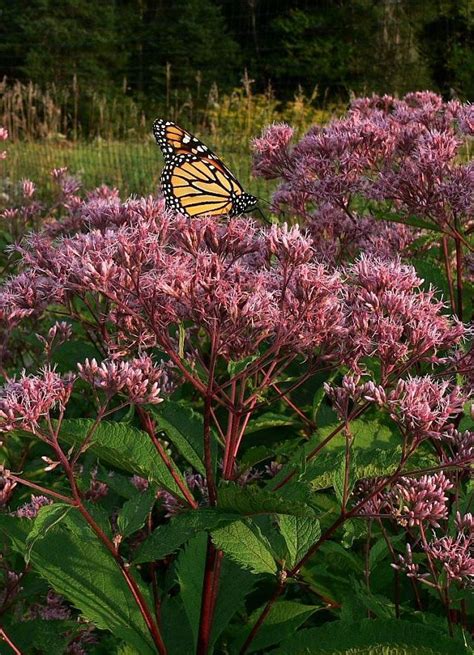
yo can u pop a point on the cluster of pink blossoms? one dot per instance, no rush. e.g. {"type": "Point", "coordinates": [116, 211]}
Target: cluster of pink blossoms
{"type": "Point", "coordinates": [400, 152]}
{"type": "Point", "coordinates": [139, 379]}
{"type": "Point", "coordinates": [243, 284]}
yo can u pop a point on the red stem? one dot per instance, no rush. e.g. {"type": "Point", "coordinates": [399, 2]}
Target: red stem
{"type": "Point", "coordinates": [209, 596]}
{"type": "Point", "coordinates": [459, 282]}
{"type": "Point", "coordinates": [130, 581]}
{"type": "Point", "coordinates": [276, 594]}
{"type": "Point", "coordinates": [43, 490]}
{"type": "Point", "coordinates": [329, 532]}
{"type": "Point", "coordinates": [148, 424]}
{"type": "Point", "coordinates": [449, 275]}
{"type": "Point", "coordinates": [4, 637]}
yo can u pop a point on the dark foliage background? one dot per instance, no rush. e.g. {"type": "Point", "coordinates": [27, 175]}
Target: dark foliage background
{"type": "Point", "coordinates": [150, 46]}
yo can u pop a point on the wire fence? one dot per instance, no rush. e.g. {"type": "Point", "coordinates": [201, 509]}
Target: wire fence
{"type": "Point", "coordinates": [134, 168]}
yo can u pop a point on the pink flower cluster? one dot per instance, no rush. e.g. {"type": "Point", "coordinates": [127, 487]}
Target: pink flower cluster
{"type": "Point", "coordinates": [452, 553]}
{"type": "Point", "coordinates": [24, 401]}
{"type": "Point", "coordinates": [139, 379]}
{"type": "Point", "coordinates": [242, 284]}
{"type": "Point", "coordinates": [424, 407]}
{"type": "Point", "coordinates": [3, 137]}
{"type": "Point", "coordinates": [401, 152]}
{"type": "Point", "coordinates": [30, 510]}
{"type": "Point", "coordinates": [416, 501]}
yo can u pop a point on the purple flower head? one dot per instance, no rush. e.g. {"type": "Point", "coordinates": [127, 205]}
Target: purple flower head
{"type": "Point", "coordinates": [141, 484]}
{"type": "Point", "coordinates": [271, 151]}
{"type": "Point", "coordinates": [416, 501]}
{"type": "Point", "coordinates": [456, 554]}
{"type": "Point", "coordinates": [408, 566]}
{"type": "Point", "coordinates": [196, 483]}
{"type": "Point", "coordinates": [390, 318]}
{"type": "Point", "coordinates": [140, 378]}
{"type": "Point", "coordinates": [53, 610]}
{"type": "Point", "coordinates": [28, 189]}
{"type": "Point", "coordinates": [424, 407]}
{"type": "Point", "coordinates": [24, 401]}
{"type": "Point", "coordinates": [30, 510]}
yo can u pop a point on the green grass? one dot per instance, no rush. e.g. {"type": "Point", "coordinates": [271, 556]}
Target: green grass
{"type": "Point", "coordinates": [132, 167]}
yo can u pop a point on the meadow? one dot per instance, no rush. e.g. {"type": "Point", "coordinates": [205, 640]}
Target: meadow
{"type": "Point", "coordinates": [223, 436]}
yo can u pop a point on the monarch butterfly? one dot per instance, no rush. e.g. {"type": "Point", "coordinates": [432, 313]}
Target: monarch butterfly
{"type": "Point", "coordinates": [194, 181]}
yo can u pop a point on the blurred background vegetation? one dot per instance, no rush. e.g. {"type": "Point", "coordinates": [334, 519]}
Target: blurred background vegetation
{"type": "Point", "coordinates": [84, 79]}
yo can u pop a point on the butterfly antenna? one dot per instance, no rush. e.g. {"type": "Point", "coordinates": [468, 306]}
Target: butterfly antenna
{"type": "Point", "coordinates": [257, 209]}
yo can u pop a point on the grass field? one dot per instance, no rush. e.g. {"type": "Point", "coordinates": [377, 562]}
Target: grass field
{"type": "Point", "coordinates": [132, 167]}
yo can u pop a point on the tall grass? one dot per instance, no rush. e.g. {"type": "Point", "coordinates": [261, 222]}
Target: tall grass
{"type": "Point", "coordinates": [107, 138]}
{"type": "Point", "coordinates": [132, 167]}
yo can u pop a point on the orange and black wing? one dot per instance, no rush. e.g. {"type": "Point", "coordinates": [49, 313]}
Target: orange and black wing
{"type": "Point", "coordinates": [194, 181]}
{"type": "Point", "coordinates": [195, 186]}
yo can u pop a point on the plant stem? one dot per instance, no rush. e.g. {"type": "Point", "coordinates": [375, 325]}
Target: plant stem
{"type": "Point", "coordinates": [109, 545]}
{"type": "Point", "coordinates": [4, 637]}
{"type": "Point", "coordinates": [459, 282]}
{"type": "Point", "coordinates": [45, 491]}
{"type": "Point", "coordinates": [276, 594]}
{"type": "Point", "coordinates": [148, 424]}
{"type": "Point", "coordinates": [210, 589]}
{"type": "Point", "coordinates": [449, 275]}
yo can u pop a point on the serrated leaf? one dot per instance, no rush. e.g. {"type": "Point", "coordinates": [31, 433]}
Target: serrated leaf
{"type": "Point", "coordinates": [184, 429]}
{"type": "Point", "coordinates": [123, 446]}
{"type": "Point", "coordinates": [243, 542]}
{"type": "Point", "coordinates": [269, 420]}
{"type": "Point", "coordinates": [167, 538]}
{"type": "Point", "coordinates": [48, 516]}
{"type": "Point", "coordinates": [251, 500]}
{"type": "Point", "coordinates": [134, 512]}
{"type": "Point", "coordinates": [284, 618]}
{"type": "Point", "coordinates": [369, 637]}
{"type": "Point", "coordinates": [299, 533]}
{"type": "Point", "coordinates": [79, 568]}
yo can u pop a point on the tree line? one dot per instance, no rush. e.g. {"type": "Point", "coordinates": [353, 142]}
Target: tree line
{"type": "Point", "coordinates": [148, 47]}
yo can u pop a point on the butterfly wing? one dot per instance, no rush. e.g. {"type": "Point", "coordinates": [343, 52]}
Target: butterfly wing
{"type": "Point", "coordinates": [195, 186]}
{"type": "Point", "coordinates": [194, 180]}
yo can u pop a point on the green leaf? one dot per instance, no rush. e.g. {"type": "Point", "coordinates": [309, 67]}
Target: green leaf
{"type": "Point", "coordinates": [78, 567]}
{"type": "Point", "coordinates": [190, 572]}
{"type": "Point", "coordinates": [167, 538]}
{"type": "Point", "coordinates": [251, 500]}
{"type": "Point", "coordinates": [339, 478]}
{"type": "Point", "coordinates": [243, 542]}
{"type": "Point", "coordinates": [269, 420]}
{"type": "Point", "coordinates": [48, 516]}
{"type": "Point", "coordinates": [255, 455]}
{"type": "Point", "coordinates": [235, 584]}
{"type": "Point", "coordinates": [178, 640]}
{"type": "Point", "coordinates": [134, 512]}
{"type": "Point", "coordinates": [372, 637]}
{"type": "Point", "coordinates": [380, 550]}
{"type": "Point", "coordinates": [284, 618]}
{"type": "Point", "coordinates": [300, 533]}
{"type": "Point", "coordinates": [42, 636]}
{"type": "Point", "coordinates": [184, 428]}
{"type": "Point", "coordinates": [234, 368]}
{"type": "Point", "coordinates": [123, 446]}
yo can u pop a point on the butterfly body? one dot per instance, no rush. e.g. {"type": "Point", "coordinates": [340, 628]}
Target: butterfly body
{"type": "Point", "coordinates": [194, 180]}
